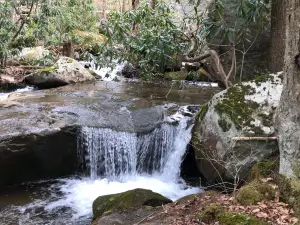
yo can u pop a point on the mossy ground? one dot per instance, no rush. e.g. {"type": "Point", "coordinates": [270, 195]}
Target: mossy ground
{"type": "Point", "coordinates": [255, 192]}
{"type": "Point", "coordinates": [229, 218]}
{"type": "Point", "coordinates": [211, 213]}
{"type": "Point", "coordinates": [215, 212]}
{"type": "Point", "coordinates": [290, 192]}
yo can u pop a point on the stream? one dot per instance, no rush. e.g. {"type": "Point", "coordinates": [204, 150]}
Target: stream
{"type": "Point", "coordinates": [112, 158]}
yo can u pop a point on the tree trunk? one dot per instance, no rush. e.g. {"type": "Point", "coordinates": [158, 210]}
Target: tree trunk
{"type": "Point", "coordinates": [288, 114]}
{"type": "Point", "coordinates": [104, 9]}
{"type": "Point", "coordinates": [135, 4]}
{"type": "Point", "coordinates": [153, 4]}
{"type": "Point", "coordinates": [123, 6]}
{"type": "Point", "coordinates": [277, 36]}
{"type": "Point", "coordinates": [68, 49]}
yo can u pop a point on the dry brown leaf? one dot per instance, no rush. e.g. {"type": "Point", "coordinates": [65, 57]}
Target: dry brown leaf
{"type": "Point", "coordinates": [262, 215]}
{"type": "Point", "coordinates": [265, 180]}
{"type": "Point", "coordinates": [256, 211]}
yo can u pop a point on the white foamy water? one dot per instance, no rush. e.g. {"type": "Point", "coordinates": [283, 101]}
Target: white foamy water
{"type": "Point", "coordinates": [106, 73]}
{"type": "Point", "coordinates": [80, 194]}
{"type": "Point", "coordinates": [4, 96]}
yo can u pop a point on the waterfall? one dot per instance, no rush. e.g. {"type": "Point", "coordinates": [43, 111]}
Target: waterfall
{"type": "Point", "coordinates": [115, 155]}
{"type": "Point", "coordinates": [116, 162]}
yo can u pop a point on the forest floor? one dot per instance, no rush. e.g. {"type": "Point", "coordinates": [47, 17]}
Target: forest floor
{"type": "Point", "coordinates": [187, 211]}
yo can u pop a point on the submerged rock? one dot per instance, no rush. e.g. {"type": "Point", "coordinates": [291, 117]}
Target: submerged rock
{"type": "Point", "coordinates": [127, 201]}
{"type": "Point", "coordinates": [244, 110]}
{"type": "Point", "coordinates": [65, 71]}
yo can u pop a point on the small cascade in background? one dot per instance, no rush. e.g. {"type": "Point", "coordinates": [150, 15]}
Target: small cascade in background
{"type": "Point", "coordinates": [104, 73]}
{"type": "Point", "coordinates": [5, 96]}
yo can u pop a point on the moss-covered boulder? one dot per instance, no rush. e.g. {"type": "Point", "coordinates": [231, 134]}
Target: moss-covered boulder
{"type": "Point", "coordinates": [127, 201]}
{"type": "Point", "coordinates": [244, 110]}
{"type": "Point", "coordinates": [255, 192]}
{"type": "Point", "coordinates": [65, 71]}
{"type": "Point", "coordinates": [216, 213]}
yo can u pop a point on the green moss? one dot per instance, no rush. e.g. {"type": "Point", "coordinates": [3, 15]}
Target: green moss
{"type": "Point", "coordinates": [211, 213]}
{"type": "Point", "coordinates": [215, 212]}
{"type": "Point", "coordinates": [267, 120]}
{"type": "Point", "coordinates": [264, 168]}
{"type": "Point", "coordinates": [46, 69]}
{"type": "Point", "coordinates": [70, 60]}
{"type": "Point", "coordinates": [234, 105]}
{"type": "Point", "coordinates": [178, 75]}
{"type": "Point", "coordinates": [127, 201]}
{"type": "Point", "coordinates": [201, 114]}
{"type": "Point", "coordinates": [263, 78]}
{"type": "Point", "coordinates": [225, 126]}
{"type": "Point", "coordinates": [248, 195]}
{"type": "Point", "coordinates": [211, 193]}
{"type": "Point", "coordinates": [91, 72]}
{"type": "Point", "coordinates": [255, 192]}
{"type": "Point", "coordinates": [230, 218]}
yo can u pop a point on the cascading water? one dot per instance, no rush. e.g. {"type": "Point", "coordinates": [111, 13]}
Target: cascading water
{"type": "Point", "coordinates": [115, 162]}
{"type": "Point", "coordinates": [115, 155]}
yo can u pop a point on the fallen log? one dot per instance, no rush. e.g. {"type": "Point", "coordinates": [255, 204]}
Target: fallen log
{"type": "Point", "coordinates": [254, 138]}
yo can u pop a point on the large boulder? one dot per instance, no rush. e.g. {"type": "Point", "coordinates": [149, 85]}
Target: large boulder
{"type": "Point", "coordinates": [127, 201]}
{"type": "Point", "coordinates": [244, 110]}
{"type": "Point", "coordinates": [65, 71]}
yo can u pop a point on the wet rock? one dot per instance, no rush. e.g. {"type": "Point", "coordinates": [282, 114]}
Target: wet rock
{"type": "Point", "coordinates": [129, 71]}
{"type": "Point", "coordinates": [43, 155]}
{"type": "Point", "coordinates": [125, 218]}
{"type": "Point", "coordinates": [127, 201]}
{"type": "Point", "coordinates": [9, 83]}
{"type": "Point", "coordinates": [65, 71]}
{"type": "Point", "coordinates": [245, 110]}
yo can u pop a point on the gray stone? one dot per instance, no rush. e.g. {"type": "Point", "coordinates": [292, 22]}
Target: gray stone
{"type": "Point", "coordinates": [245, 110]}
